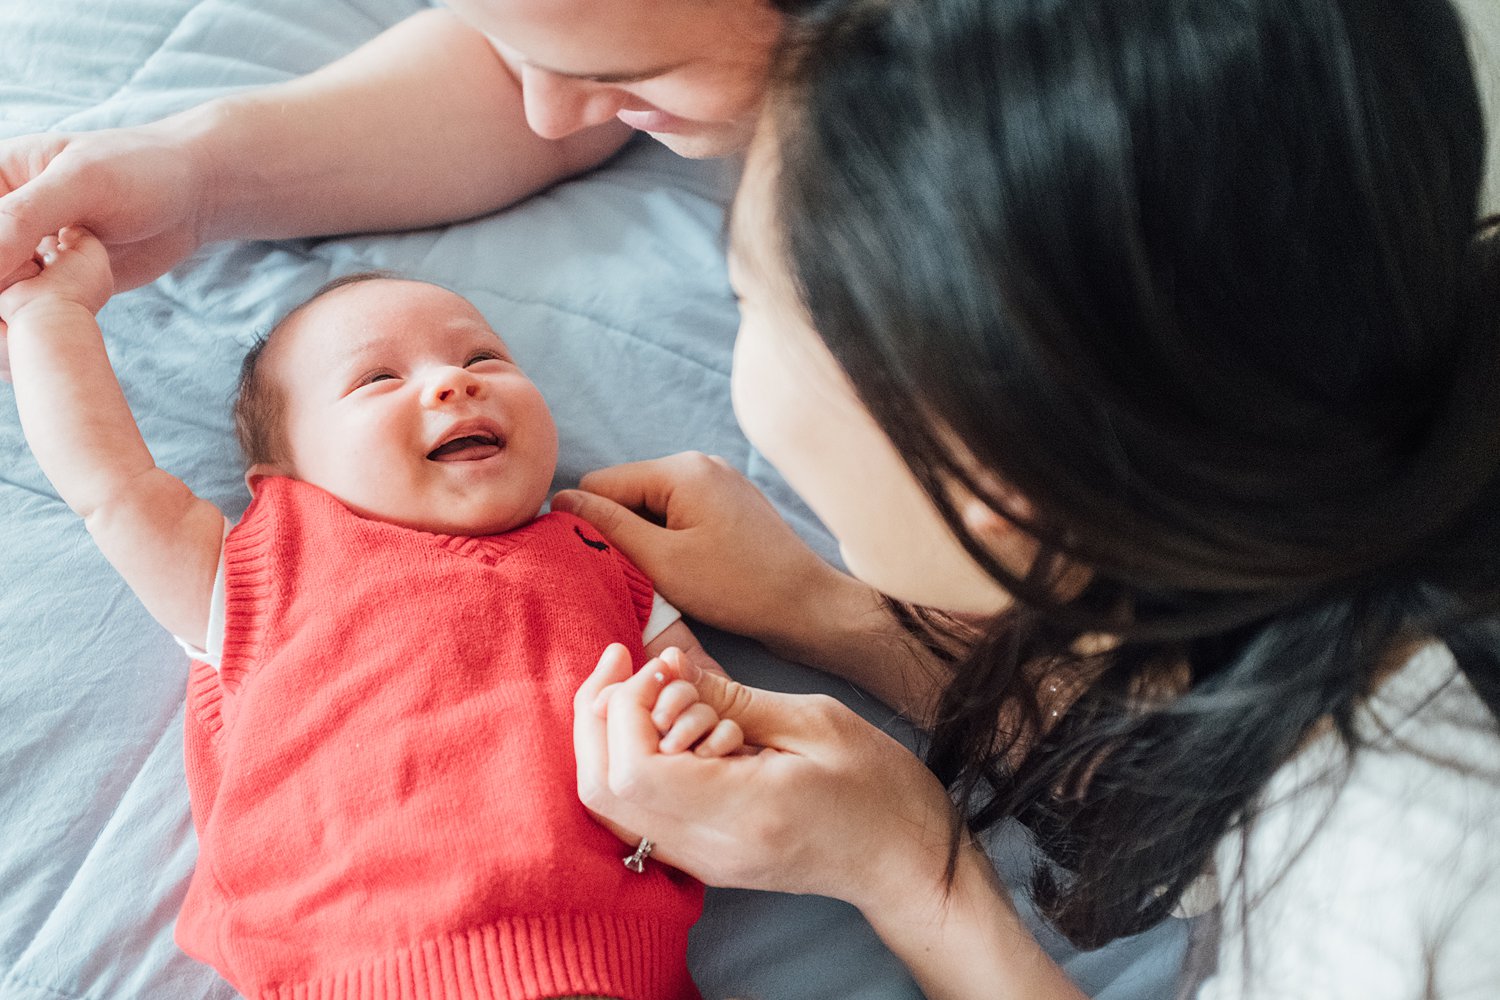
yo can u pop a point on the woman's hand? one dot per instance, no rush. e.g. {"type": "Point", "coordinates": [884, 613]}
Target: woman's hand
{"type": "Point", "coordinates": [712, 543]}
{"type": "Point", "coordinates": [720, 552]}
{"type": "Point", "coordinates": [829, 804]}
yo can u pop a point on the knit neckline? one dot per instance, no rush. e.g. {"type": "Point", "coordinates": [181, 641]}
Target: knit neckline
{"type": "Point", "coordinates": [487, 549]}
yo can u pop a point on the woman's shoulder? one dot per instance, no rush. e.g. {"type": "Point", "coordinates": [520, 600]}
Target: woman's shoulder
{"type": "Point", "coordinates": [1429, 706]}
{"type": "Point", "coordinates": [1375, 875]}
{"type": "Point", "coordinates": [1428, 757]}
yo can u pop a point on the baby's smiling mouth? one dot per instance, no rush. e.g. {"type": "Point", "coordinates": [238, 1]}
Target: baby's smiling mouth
{"type": "Point", "coordinates": [467, 448]}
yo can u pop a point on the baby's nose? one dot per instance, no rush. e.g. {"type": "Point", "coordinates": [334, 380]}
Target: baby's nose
{"type": "Point", "coordinates": [451, 386]}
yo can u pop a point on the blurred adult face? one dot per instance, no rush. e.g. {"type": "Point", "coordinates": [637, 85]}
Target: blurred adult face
{"type": "Point", "coordinates": [689, 72]}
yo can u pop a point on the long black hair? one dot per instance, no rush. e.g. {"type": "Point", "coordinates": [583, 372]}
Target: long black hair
{"type": "Point", "coordinates": [1201, 280]}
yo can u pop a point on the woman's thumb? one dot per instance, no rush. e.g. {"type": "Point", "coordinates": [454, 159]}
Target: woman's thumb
{"type": "Point", "coordinates": [771, 719]}
{"type": "Point", "coordinates": [622, 526]}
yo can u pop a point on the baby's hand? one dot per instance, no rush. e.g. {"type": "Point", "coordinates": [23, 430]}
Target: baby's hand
{"type": "Point", "coordinates": [74, 268]}
{"type": "Point", "coordinates": [682, 719]}
{"type": "Point", "coordinates": [687, 722]}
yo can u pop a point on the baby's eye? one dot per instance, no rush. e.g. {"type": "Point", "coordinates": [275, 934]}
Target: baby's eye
{"type": "Point", "coordinates": [376, 376]}
{"type": "Point", "coordinates": [483, 356]}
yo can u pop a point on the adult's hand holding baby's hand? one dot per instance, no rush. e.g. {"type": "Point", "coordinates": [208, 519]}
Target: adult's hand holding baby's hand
{"type": "Point", "coordinates": [829, 805]}
{"type": "Point", "coordinates": [69, 270]}
{"type": "Point", "coordinates": [138, 189]}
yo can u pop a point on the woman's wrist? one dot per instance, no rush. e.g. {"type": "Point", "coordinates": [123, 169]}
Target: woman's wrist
{"type": "Point", "coordinates": [965, 938]}
{"type": "Point", "coordinates": [845, 627]}
{"type": "Point", "coordinates": [811, 615]}
{"type": "Point", "coordinates": [194, 138]}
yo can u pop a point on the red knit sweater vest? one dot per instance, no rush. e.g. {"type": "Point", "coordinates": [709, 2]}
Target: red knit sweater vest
{"type": "Point", "coordinates": [382, 771]}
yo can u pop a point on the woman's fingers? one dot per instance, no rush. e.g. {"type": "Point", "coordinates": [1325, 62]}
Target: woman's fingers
{"type": "Point", "coordinates": [640, 486]}
{"type": "Point", "coordinates": [770, 719]}
{"type": "Point", "coordinates": [631, 532]}
{"type": "Point", "coordinates": [590, 741]}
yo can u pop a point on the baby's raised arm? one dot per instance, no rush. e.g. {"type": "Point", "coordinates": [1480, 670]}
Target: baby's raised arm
{"type": "Point", "coordinates": [162, 539]}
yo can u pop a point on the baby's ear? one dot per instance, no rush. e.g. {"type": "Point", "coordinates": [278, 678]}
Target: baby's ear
{"type": "Point", "coordinates": [259, 471]}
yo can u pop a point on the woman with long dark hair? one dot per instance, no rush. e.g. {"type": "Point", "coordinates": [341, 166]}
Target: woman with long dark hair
{"type": "Point", "coordinates": [1145, 356]}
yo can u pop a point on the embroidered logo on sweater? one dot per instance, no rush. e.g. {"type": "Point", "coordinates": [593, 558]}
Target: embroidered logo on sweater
{"type": "Point", "coordinates": [592, 543]}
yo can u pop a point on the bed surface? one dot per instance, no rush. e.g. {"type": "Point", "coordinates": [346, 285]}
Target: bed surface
{"type": "Point", "coordinates": [610, 289]}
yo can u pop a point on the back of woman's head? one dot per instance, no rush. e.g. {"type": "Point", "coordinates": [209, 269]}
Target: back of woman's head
{"type": "Point", "coordinates": [1201, 280]}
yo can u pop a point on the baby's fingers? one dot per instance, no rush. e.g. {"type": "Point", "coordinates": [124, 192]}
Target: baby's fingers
{"type": "Point", "coordinates": [674, 699]}
{"type": "Point", "coordinates": [696, 722]}
{"type": "Point", "coordinates": [726, 738]}
{"type": "Point", "coordinates": [74, 265]}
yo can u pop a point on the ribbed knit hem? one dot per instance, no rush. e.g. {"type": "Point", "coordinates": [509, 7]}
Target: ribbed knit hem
{"type": "Point", "coordinates": [528, 958]}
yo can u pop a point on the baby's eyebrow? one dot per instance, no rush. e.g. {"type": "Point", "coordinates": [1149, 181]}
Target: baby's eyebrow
{"type": "Point", "coordinates": [365, 346]}
{"type": "Point", "coordinates": [355, 359]}
{"type": "Point", "coordinates": [487, 332]}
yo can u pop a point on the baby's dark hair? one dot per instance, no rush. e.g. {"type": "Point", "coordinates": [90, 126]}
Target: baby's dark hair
{"type": "Point", "coordinates": [258, 401]}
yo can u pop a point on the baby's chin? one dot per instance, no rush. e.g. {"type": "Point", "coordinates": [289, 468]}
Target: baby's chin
{"type": "Point", "coordinates": [490, 522]}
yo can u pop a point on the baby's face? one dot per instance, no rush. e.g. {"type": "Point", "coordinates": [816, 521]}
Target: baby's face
{"type": "Point", "coordinates": [403, 403]}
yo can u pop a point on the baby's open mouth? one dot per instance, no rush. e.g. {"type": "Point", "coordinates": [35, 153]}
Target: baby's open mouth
{"type": "Point", "coordinates": [468, 448]}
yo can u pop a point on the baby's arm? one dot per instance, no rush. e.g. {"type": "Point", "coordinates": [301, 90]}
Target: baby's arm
{"type": "Point", "coordinates": [162, 539]}
{"type": "Point", "coordinates": [678, 636]}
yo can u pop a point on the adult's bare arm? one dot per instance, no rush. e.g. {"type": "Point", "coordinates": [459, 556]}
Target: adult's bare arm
{"type": "Point", "coordinates": [424, 124]}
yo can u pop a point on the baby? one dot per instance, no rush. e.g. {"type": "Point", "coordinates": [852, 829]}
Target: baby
{"type": "Point", "coordinates": [387, 647]}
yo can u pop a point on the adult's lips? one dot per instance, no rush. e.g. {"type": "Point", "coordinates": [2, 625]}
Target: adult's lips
{"type": "Point", "coordinates": [651, 121]}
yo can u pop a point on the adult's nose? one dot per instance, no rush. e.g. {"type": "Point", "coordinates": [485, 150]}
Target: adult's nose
{"type": "Point", "coordinates": [557, 106]}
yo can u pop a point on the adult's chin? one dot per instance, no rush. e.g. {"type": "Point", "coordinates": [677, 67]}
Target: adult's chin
{"type": "Point", "coordinates": [707, 142]}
